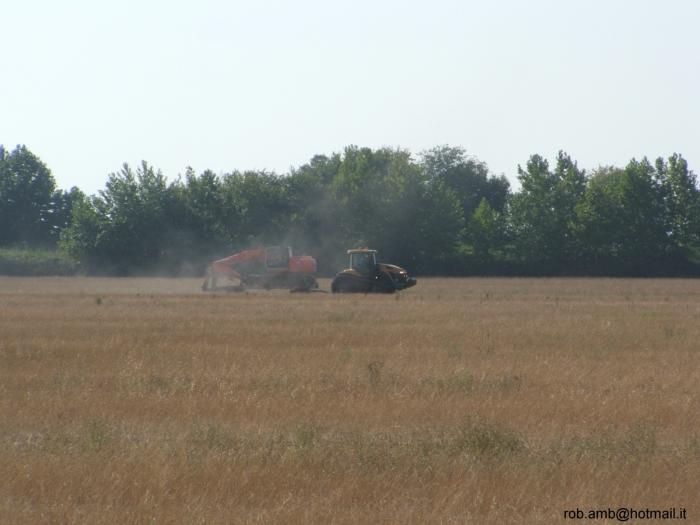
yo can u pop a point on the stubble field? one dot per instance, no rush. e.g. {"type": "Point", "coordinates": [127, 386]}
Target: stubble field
{"type": "Point", "coordinates": [458, 401]}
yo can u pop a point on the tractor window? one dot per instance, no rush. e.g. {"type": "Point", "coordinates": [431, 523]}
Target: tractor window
{"type": "Point", "coordinates": [277, 256]}
{"type": "Point", "coordinates": [363, 262]}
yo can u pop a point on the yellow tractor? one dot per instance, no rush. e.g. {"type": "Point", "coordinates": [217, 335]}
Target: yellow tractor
{"type": "Point", "coordinates": [366, 275]}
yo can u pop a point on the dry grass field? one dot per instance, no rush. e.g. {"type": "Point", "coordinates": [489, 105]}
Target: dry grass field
{"type": "Point", "coordinates": [480, 401]}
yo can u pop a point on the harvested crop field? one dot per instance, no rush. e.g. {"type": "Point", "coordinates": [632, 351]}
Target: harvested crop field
{"type": "Point", "coordinates": [458, 401]}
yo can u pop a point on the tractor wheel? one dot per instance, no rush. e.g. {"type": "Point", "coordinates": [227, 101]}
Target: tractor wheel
{"type": "Point", "coordinates": [309, 282]}
{"type": "Point", "coordinates": [305, 284]}
{"type": "Point", "coordinates": [384, 284]}
{"type": "Point", "coordinates": [337, 286]}
{"type": "Point", "coordinates": [343, 284]}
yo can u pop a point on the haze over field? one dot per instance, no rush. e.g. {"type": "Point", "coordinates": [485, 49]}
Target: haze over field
{"type": "Point", "coordinates": [241, 85]}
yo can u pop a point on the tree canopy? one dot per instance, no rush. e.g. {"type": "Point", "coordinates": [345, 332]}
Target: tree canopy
{"type": "Point", "coordinates": [32, 211]}
{"type": "Point", "coordinates": [442, 212]}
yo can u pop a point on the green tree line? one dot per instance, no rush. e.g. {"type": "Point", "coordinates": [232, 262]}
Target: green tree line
{"type": "Point", "coordinates": [440, 213]}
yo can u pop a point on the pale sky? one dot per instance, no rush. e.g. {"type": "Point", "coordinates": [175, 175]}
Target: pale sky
{"type": "Point", "coordinates": [88, 85]}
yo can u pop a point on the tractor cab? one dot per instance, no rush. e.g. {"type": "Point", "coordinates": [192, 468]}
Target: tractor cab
{"type": "Point", "coordinates": [278, 257]}
{"type": "Point", "coordinates": [363, 261]}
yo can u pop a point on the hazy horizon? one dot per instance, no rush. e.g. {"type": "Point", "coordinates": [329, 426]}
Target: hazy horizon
{"type": "Point", "coordinates": [223, 86]}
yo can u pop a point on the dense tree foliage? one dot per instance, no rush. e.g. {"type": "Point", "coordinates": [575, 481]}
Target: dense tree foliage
{"type": "Point", "coordinates": [542, 214]}
{"type": "Point", "coordinates": [442, 213]}
{"type": "Point", "coordinates": [32, 211]}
